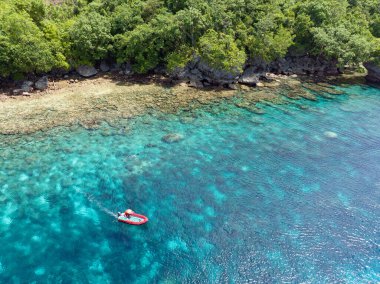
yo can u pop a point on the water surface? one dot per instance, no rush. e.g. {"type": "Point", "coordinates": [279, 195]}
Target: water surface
{"type": "Point", "coordinates": [288, 196]}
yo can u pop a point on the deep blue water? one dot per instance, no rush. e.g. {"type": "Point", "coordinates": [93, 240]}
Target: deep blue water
{"type": "Point", "coordinates": [243, 198]}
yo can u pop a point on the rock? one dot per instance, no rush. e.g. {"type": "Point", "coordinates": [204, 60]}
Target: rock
{"type": "Point", "coordinates": [26, 94]}
{"type": "Point", "coordinates": [71, 81]}
{"type": "Point", "coordinates": [216, 76]}
{"type": "Point", "coordinates": [172, 138]}
{"type": "Point", "coordinates": [373, 75]}
{"type": "Point", "coordinates": [197, 70]}
{"type": "Point", "coordinates": [267, 77]}
{"type": "Point", "coordinates": [26, 86]}
{"type": "Point", "coordinates": [249, 77]}
{"type": "Point", "coordinates": [42, 83]}
{"type": "Point", "coordinates": [294, 63]}
{"type": "Point", "coordinates": [179, 73]}
{"type": "Point", "coordinates": [127, 69]}
{"type": "Point", "coordinates": [330, 134]}
{"type": "Point", "coordinates": [195, 73]}
{"type": "Point", "coordinates": [86, 70]}
{"type": "Point", "coordinates": [232, 86]}
{"type": "Point", "coordinates": [160, 70]}
{"type": "Point", "coordinates": [104, 67]}
{"type": "Point", "coordinates": [260, 84]}
{"type": "Point", "coordinates": [115, 67]}
{"type": "Point", "coordinates": [16, 92]}
{"type": "Point", "coordinates": [195, 84]}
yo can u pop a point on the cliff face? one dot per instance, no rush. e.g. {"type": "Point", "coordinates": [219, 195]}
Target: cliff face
{"type": "Point", "coordinates": [199, 73]}
{"type": "Point", "coordinates": [373, 72]}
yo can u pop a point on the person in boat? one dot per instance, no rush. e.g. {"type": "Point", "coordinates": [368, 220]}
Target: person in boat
{"type": "Point", "coordinates": [128, 213]}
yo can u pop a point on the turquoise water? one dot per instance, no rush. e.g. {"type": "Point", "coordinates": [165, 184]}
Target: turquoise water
{"type": "Point", "coordinates": [289, 196]}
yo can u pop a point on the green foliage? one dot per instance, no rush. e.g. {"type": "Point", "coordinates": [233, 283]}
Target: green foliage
{"type": "Point", "coordinates": [220, 51]}
{"type": "Point", "coordinates": [375, 26]}
{"type": "Point", "coordinates": [37, 36]}
{"type": "Point", "coordinates": [179, 58]}
{"type": "Point", "coordinates": [148, 43]}
{"type": "Point", "coordinates": [23, 47]}
{"type": "Point", "coordinates": [125, 18]}
{"type": "Point", "coordinates": [36, 9]}
{"type": "Point", "coordinates": [192, 23]}
{"type": "Point", "coordinates": [338, 42]}
{"type": "Point", "coordinates": [5, 55]}
{"type": "Point", "coordinates": [270, 44]}
{"type": "Point", "coordinates": [90, 37]}
{"type": "Point", "coordinates": [336, 29]}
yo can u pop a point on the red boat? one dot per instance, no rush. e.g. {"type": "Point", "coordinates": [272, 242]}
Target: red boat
{"type": "Point", "coordinates": [132, 218]}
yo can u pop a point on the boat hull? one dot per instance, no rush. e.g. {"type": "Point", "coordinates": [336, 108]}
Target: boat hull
{"type": "Point", "coordinates": [133, 219]}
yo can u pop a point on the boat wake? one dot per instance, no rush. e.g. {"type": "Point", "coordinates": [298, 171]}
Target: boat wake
{"type": "Point", "coordinates": [93, 200]}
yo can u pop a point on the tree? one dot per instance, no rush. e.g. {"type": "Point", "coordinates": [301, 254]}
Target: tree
{"type": "Point", "coordinates": [23, 46]}
{"type": "Point", "coordinates": [90, 38]}
{"type": "Point", "coordinates": [220, 51]}
{"type": "Point", "coordinates": [126, 18]}
{"type": "Point", "coordinates": [149, 44]}
{"type": "Point", "coordinates": [338, 42]}
{"type": "Point", "coordinates": [37, 35]}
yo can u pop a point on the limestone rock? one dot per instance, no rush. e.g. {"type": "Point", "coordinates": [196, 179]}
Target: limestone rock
{"type": "Point", "coordinates": [300, 64]}
{"type": "Point", "coordinates": [115, 67]}
{"type": "Point", "coordinates": [86, 71]}
{"type": "Point", "coordinates": [373, 72]}
{"type": "Point", "coordinates": [179, 73]}
{"type": "Point", "coordinates": [127, 69]}
{"type": "Point", "coordinates": [172, 138]}
{"type": "Point", "coordinates": [160, 70]}
{"type": "Point", "coordinates": [256, 68]}
{"type": "Point", "coordinates": [26, 86]}
{"type": "Point", "coordinates": [216, 76]}
{"type": "Point", "coordinates": [104, 67]}
{"type": "Point", "coordinates": [249, 77]}
{"type": "Point", "coordinates": [42, 83]}
{"type": "Point", "coordinates": [16, 92]}
{"type": "Point", "coordinates": [195, 84]}
{"type": "Point", "coordinates": [198, 70]}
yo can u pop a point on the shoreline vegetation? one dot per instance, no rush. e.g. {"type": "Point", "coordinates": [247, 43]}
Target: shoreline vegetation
{"type": "Point", "coordinates": [88, 102]}
{"type": "Point", "coordinates": [207, 43]}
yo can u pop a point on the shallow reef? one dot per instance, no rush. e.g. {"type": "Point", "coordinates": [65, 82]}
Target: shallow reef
{"type": "Point", "coordinates": [92, 102]}
{"type": "Point", "coordinates": [261, 186]}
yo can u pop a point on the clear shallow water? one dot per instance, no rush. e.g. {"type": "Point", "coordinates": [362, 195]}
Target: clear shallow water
{"type": "Point", "coordinates": [242, 198]}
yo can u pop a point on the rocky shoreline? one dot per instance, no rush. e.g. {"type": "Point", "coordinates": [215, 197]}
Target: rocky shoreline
{"type": "Point", "coordinates": [197, 74]}
{"type": "Point", "coordinates": [115, 99]}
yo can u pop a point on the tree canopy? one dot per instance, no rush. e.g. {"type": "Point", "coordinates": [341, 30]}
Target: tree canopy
{"type": "Point", "coordinates": [38, 35]}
